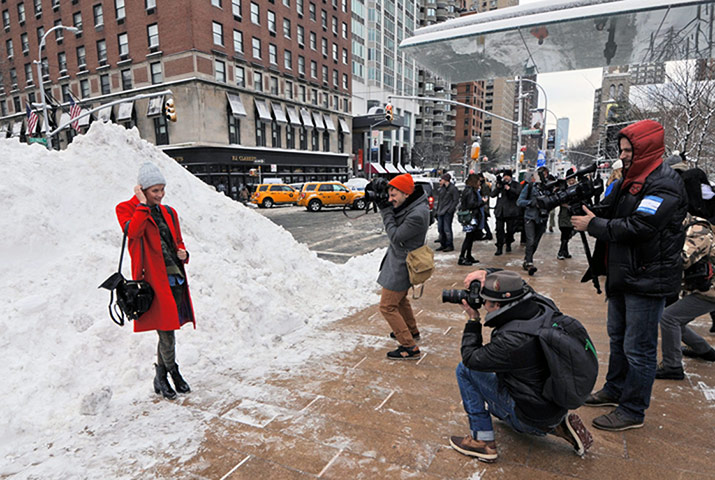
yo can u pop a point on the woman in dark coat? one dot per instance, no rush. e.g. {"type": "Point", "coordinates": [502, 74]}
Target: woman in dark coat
{"type": "Point", "coordinates": [471, 201]}
{"type": "Point", "coordinates": [158, 256]}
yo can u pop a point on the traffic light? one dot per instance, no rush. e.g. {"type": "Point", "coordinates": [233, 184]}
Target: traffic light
{"type": "Point", "coordinates": [170, 110]}
{"type": "Point", "coordinates": [521, 157]}
{"type": "Point", "coordinates": [388, 112]}
{"type": "Point", "coordinates": [475, 150]}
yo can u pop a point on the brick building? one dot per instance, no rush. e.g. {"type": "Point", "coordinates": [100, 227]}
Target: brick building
{"type": "Point", "coordinates": [262, 83]}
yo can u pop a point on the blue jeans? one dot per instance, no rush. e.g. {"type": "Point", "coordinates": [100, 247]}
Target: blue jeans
{"type": "Point", "coordinates": [481, 397]}
{"type": "Point", "coordinates": [444, 227]}
{"type": "Point", "coordinates": [633, 332]}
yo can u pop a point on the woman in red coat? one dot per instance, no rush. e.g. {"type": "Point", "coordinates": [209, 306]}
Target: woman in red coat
{"type": "Point", "coordinates": [158, 256]}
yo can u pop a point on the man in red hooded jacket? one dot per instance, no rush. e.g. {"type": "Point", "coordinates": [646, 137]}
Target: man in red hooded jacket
{"type": "Point", "coordinates": [639, 229]}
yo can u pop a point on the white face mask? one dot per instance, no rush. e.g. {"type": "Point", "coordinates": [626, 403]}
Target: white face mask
{"type": "Point", "coordinates": [706, 191]}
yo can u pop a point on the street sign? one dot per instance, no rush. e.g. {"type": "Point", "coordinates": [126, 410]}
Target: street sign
{"type": "Point", "coordinates": [40, 140]}
{"type": "Point", "coordinates": [532, 131]}
{"type": "Point", "coordinates": [274, 167]}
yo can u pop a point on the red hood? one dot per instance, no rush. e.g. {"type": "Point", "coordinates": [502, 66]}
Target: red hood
{"type": "Point", "coordinates": [647, 139]}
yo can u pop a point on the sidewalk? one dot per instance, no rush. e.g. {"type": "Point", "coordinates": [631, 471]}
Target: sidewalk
{"type": "Point", "coordinates": [361, 416]}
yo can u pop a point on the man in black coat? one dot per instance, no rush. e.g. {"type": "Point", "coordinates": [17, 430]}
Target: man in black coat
{"type": "Point", "coordinates": [640, 227]}
{"type": "Point", "coordinates": [506, 211]}
{"type": "Point", "coordinates": [506, 377]}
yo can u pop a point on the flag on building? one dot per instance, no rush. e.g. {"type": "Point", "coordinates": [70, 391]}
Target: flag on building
{"type": "Point", "coordinates": [75, 110]}
{"type": "Point", "coordinates": [31, 120]}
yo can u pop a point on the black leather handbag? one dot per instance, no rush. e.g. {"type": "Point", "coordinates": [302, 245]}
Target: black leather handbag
{"type": "Point", "coordinates": [133, 297]}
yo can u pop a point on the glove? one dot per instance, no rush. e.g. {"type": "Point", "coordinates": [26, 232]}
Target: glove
{"type": "Point", "coordinates": [383, 203]}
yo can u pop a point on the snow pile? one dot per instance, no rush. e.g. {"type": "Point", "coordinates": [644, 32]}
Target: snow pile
{"type": "Point", "coordinates": [77, 388]}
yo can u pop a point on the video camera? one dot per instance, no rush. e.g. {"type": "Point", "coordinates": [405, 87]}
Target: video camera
{"type": "Point", "coordinates": [471, 295]}
{"type": "Point", "coordinates": [376, 193]}
{"type": "Point", "coordinates": [585, 192]}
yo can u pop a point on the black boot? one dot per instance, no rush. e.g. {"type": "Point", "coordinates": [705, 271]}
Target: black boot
{"type": "Point", "coordinates": [463, 261]}
{"type": "Point", "coordinates": [712, 317]}
{"type": "Point", "coordinates": [161, 383]}
{"type": "Point", "coordinates": [499, 251]}
{"type": "Point", "coordinates": [179, 382]}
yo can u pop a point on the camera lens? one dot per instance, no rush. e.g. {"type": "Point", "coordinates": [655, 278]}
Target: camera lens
{"type": "Point", "coordinates": [454, 296]}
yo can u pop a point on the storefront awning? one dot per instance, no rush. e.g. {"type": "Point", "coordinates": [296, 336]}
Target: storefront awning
{"type": "Point", "coordinates": [278, 112]}
{"type": "Point", "coordinates": [374, 168]}
{"type": "Point", "coordinates": [263, 113]}
{"type": "Point", "coordinates": [329, 122]}
{"type": "Point", "coordinates": [305, 116]}
{"type": "Point", "coordinates": [64, 118]}
{"type": "Point", "coordinates": [294, 117]}
{"type": "Point", "coordinates": [318, 120]}
{"type": "Point", "coordinates": [236, 105]}
{"type": "Point", "coordinates": [84, 121]}
{"type": "Point", "coordinates": [401, 168]}
{"type": "Point", "coordinates": [391, 168]}
{"type": "Point", "coordinates": [105, 114]}
{"type": "Point", "coordinates": [156, 104]}
{"type": "Point", "coordinates": [16, 128]}
{"type": "Point", "coordinates": [343, 125]}
{"type": "Point", "coordinates": [124, 113]}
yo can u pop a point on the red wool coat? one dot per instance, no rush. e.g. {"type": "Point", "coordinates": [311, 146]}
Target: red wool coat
{"type": "Point", "coordinates": [163, 314]}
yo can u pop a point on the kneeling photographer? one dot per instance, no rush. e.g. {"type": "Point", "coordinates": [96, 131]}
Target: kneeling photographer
{"type": "Point", "coordinates": [511, 376]}
{"type": "Point", "coordinates": [405, 215]}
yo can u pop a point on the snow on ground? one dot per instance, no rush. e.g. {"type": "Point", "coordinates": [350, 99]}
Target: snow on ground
{"type": "Point", "coordinates": [77, 397]}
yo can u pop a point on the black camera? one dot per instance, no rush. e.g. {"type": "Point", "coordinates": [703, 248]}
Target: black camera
{"type": "Point", "coordinates": [376, 192]}
{"type": "Point", "coordinates": [585, 192]}
{"type": "Point", "coordinates": [471, 295]}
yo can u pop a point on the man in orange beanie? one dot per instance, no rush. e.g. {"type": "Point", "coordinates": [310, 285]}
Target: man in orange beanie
{"type": "Point", "coordinates": [406, 219]}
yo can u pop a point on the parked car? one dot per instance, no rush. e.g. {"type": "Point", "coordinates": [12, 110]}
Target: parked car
{"type": "Point", "coordinates": [267, 195]}
{"type": "Point", "coordinates": [357, 184]}
{"type": "Point", "coordinates": [316, 195]}
{"type": "Point", "coordinates": [430, 186]}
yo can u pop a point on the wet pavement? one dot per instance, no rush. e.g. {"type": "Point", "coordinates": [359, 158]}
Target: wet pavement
{"type": "Point", "coordinates": [357, 415]}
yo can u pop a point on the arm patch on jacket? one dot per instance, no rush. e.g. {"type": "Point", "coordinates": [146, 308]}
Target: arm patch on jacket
{"type": "Point", "coordinates": [649, 204]}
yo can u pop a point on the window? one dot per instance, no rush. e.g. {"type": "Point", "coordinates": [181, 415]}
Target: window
{"type": "Point", "coordinates": [150, 4]}
{"type": "Point", "coordinates": [153, 35]}
{"type": "Point", "coordinates": [301, 65]}
{"type": "Point", "coordinates": [324, 20]}
{"type": "Point", "coordinates": [289, 89]}
{"type": "Point", "coordinates": [273, 85]}
{"type": "Point", "coordinates": [271, 16]}
{"type": "Point", "coordinates": [40, 34]}
{"type": "Point", "coordinates": [126, 79]}
{"type": "Point", "coordinates": [25, 43]}
{"type": "Point", "coordinates": [286, 28]}
{"type": "Point", "coordinates": [28, 73]}
{"type": "Point", "coordinates": [288, 59]}
{"type": "Point", "coordinates": [256, 45]}
{"type": "Point", "coordinates": [311, 11]}
{"type": "Point", "coordinates": [301, 35]}
{"type": "Point", "coordinates": [236, 8]}
{"type": "Point", "coordinates": [237, 41]}
{"type": "Point", "coordinates": [313, 69]}
{"type": "Point", "coordinates": [8, 47]}
{"type": "Point", "coordinates": [335, 52]}
{"type": "Point", "coordinates": [119, 9]}
{"type": "Point", "coordinates": [62, 62]}
{"type": "Point", "coordinates": [290, 137]}
{"type": "Point", "coordinates": [326, 141]}
{"type": "Point", "coordinates": [220, 71]}
{"type": "Point", "coordinates": [299, 7]}
{"type": "Point", "coordinates": [65, 93]}
{"type": "Point", "coordinates": [302, 93]}
{"type": "Point", "coordinates": [156, 75]}
{"type": "Point", "coordinates": [104, 84]}
{"type": "Point", "coordinates": [325, 75]}
{"type": "Point", "coordinates": [77, 20]}
{"type": "Point", "coordinates": [258, 81]}
{"type": "Point", "coordinates": [286, 3]}
{"type": "Point", "coordinates": [123, 42]}
{"type": "Point", "coordinates": [21, 12]}
{"type": "Point", "coordinates": [81, 58]}
{"type": "Point", "coordinates": [336, 82]}
{"type": "Point", "coordinates": [302, 139]}
{"type": "Point", "coordinates": [275, 134]}
{"type": "Point", "coordinates": [98, 15]}
{"type": "Point", "coordinates": [345, 30]}
{"type": "Point", "coordinates": [161, 130]}
{"type": "Point", "coordinates": [217, 3]}
{"type": "Point", "coordinates": [84, 88]}
{"type": "Point", "coordinates": [341, 142]}
{"type": "Point", "coordinates": [13, 78]}
{"type": "Point", "coordinates": [345, 56]}
{"type": "Point", "coordinates": [324, 47]}
{"type": "Point", "coordinates": [255, 14]}
{"type": "Point", "coordinates": [240, 74]}
{"type": "Point", "coordinates": [272, 54]}
{"type": "Point", "coordinates": [314, 96]}
{"type": "Point", "coordinates": [59, 35]}
{"type": "Point", "coordinates": [38, 7]}
{"type": "Point", "coordinates": [345, 81]}
{"type": "Point", "coordinates": [102, 51]}
{"type": "Point", "coordinates": [313, 41]}
{"type": "Point", "coordinates": [260, 132]}
{"type": "Point", "coordinates": [314, 140]}
{"type": "Point", "coordinates": [6, 19]}
{"type": "Point", "coordinates": [335, 26]}
{"type": "Point", "coordinates": [218, 33]}
{"type": "Point", "coordinates": [234, 129]}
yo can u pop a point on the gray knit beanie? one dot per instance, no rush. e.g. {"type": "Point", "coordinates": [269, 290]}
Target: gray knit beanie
{"type": "Point", "coordinates": [150, 175]}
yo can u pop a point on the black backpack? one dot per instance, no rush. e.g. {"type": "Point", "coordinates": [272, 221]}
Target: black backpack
{"type": "Point", "coordinates": [569, 352]}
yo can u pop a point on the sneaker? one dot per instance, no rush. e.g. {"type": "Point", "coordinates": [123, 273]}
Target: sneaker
{"type": "Point", "coordinates": [415, 336]}
{"type": "Point", "coordinates": [448, 249]}
{"type": "Point", "coordinates": [669, 373]}
{"type": "Point", "coordinates": [616, 422]}
{"type": "Point", "coordinates": [404, 353]}
{"type": "Point", "coordinates": [567, 255]}
{"type": "Point", "coordinates": [472, 259]}
{"type": "Point", "coordinates": [690, 353]}
{"type": "Point", "coordinates": [574, 431]}
{"type": "Point", "coordinates": [600, 399]}
{"type": "Point", "coordinates": [464, 261]}
{"type": "Point", "coordinates": [484, 451]}
{"type": "Point", "coordinates": [560, 256]}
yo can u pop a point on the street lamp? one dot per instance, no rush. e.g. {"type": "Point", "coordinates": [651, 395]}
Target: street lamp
{"type": "Point", "coordinates": [546, 104]}
{"type": "Point", "coordinates": [39, 76]}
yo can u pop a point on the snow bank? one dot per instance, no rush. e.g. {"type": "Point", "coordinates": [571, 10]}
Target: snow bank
{"type": "Point", "coordinates": [77, 390]}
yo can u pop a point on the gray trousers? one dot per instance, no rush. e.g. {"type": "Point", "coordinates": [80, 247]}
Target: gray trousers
{"type": "Point", "coordinates": [674, 328]}
{"type": "Point", "coordinates": [166, 349]}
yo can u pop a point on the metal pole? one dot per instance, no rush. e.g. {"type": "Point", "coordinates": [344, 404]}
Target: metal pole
{"type": "Point", "coordinates": [518, 131]}
{"type": "Point", "coordinates": [369, 154]}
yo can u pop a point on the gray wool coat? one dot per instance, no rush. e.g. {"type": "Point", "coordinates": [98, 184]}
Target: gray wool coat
{"type": "Point", "coordinates": [406, 228]}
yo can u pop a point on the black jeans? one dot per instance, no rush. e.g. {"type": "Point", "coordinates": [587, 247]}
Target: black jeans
{"type": "Point", "coordinates": [469, 239]}
{"type": "Point", "coordinates": [508, 235]}
{"type": "Point", "coordinates": [534, 230]}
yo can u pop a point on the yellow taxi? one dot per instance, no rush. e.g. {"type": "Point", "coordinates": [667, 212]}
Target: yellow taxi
{"type": "Point", "coordinates": [316, 195]}
{"type": "Point", "coordinates": [268, 194]}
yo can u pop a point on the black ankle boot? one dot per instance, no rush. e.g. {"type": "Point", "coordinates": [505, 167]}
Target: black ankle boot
{"type": "Point", "coordinates": [463, 261]}
{"type": "Point", "coordinates": [161, 383]}
{"type": "Point", "coordinates": [179, 382]}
